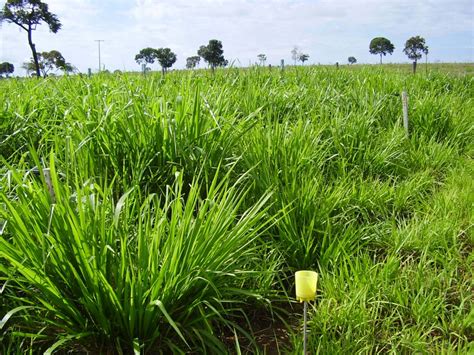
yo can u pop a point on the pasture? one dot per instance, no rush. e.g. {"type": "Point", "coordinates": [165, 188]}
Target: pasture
{"type": "Point", "coordinates": [154, 214]}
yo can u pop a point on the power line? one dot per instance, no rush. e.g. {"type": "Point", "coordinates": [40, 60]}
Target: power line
{"type": "Point", "coordinates": [98, 42]}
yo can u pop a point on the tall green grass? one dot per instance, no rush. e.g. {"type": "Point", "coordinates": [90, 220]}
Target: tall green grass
{"type": "Point", "coordinates": [162, 272]}
{"type": "Point", "coordinates": [181, 203]}
{"type": "Point", "coordinates": [411, 294]}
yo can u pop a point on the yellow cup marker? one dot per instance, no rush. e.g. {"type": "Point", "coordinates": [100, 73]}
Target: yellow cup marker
{"type": "Point", "coordinates": [306, 284]}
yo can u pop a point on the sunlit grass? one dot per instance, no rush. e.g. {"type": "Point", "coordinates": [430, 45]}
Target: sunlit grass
{"type": "Point", "coordinates": [179, 203]}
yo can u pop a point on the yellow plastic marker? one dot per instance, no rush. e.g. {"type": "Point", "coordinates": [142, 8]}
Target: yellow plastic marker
{"type": "Point", "coordinates": [306, 284]}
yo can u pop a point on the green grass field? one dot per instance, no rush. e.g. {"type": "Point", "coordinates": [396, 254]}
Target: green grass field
{"type": "Point", "coordinates": [168, 215]}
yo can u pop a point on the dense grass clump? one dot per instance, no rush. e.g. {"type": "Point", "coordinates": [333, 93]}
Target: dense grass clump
{"type": "Point", "coordinates": [168, 214]}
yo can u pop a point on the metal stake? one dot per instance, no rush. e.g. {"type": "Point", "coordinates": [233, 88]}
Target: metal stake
{"type": "Point", "coordinates": [305, 334]}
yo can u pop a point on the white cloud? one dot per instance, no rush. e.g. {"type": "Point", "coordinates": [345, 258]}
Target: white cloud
{"type": "Point", "coordinates": [328, 30]}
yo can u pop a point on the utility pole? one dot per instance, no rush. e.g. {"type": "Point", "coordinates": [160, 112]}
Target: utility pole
{"type": "Point", "coordinates": [98, 42]}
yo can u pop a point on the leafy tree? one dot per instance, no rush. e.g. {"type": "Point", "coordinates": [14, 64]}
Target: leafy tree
{"type": "Point", "coordinates": [295, 54]}
{"type": "Point", "coordinates": [303, 57]}
{"type": "Point", "coordinates": [146, 56]}
{"type": "Point", "coordinates": [52, 60]}
{"type": "Point", "coordinates": [213, 54]}
{"type": "Point", "coordinates": [352, 60]}
{"type": "Point", "coordinates": [193, 61]}
{"type": "Point", "coordinates": [28, 14]}
{"type": "Point", "coordinates": [166, 58]}
{"type": "Point", "coordinates": [415, 47]}
{"type": "Point", "coordinates": [381, 46]}
{"type": "Point", "coordinates": [262, 58]}
{"type": "Point", "coordinates": [48, 61]}
{"type": "Point", "coordinates": [6, 68]}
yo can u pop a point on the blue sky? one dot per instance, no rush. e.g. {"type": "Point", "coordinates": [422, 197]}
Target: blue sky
{"type": "Point", "coordinates": [329, 31]}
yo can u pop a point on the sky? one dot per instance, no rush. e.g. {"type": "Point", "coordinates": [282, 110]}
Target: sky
{"type": "Point", "coordinates": [329, 31]}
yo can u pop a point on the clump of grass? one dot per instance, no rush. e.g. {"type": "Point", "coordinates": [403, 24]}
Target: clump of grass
{"type": "Point", "coordinates": [167, 272]}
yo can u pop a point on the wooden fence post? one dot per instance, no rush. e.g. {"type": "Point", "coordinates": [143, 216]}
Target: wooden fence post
{"type": "Point", "coordinates": [405, 111]}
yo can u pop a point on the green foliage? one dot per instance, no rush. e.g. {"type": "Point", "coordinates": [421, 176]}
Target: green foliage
{"type": "Point", "coordinates": [166, 58]}
{"type": "Point", "coordinates": [147, 269]}
{"type": "Point", "coordinates": [414, 294]}
{"type": "Point", "coordinates": [146, 56]}
{"type": "Point", "coordinates": [352, 60]}
{"type": "Point", "coordinates": [415, 47]}
{"type": "Point", "coordinates": [48, 61]}
{"type": "Point", "coordinates": [180, 206]}
{"type": "Point", "coordinates": [6, 68]}
{"type": "Point", "coordinates": [193, 61]}
{"type": "Point", "coordinates": [27, 14]}
{"type": "Point", "coordinates": [213, 54]}
{"type": "Point", "coordinates": [381, 46]}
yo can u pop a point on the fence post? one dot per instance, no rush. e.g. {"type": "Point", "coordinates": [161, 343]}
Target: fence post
{"type": "Point", "coordinates": [405, 111]}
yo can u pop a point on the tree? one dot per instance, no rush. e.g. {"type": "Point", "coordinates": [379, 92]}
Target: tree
{"type": "Point", "coordinates": [262, 58]}
{"type": "Point", "coordinates": [295, 54]}
{"type": "Point", "coordinates": [193, 61]}
{"type": "Point", "coordinates": [166, 58]}
{"type": "Point", "coordinates": [146, 56]}
{"type": "Point", "coordinates": [303, 57]}
{"type": "Point", "coordinates": [48, 61]}
{"type": "Point", "coordinates": [415, 47]}
{"type": "Point", "coordinates": [352, 60]}
{"type": "Point", "coordinates": [52, 60]}
{"type": "Point", "coordinates": [6, 68]}
{"type": "Point", "coordinates": [28, 14]}
{"type": "Point", "coordinates": [382, 46]}
{"type": "Point", "coordinates": [213, 54]}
